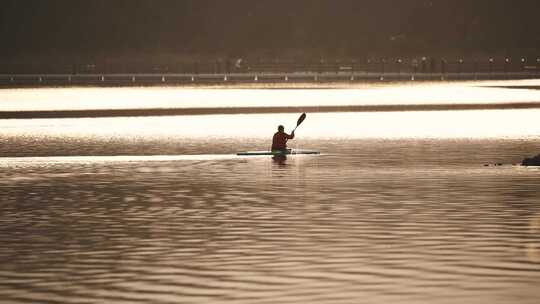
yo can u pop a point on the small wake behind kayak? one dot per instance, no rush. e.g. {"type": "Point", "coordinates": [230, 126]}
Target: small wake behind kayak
{"type": "Point", "coordinates": [274, 153]}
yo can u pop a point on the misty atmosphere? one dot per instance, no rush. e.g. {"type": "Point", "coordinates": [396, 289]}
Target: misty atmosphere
{"type": "Point", "coordinates": [131, 30]}
{"type": "Point", "coordinates": [269, 151]}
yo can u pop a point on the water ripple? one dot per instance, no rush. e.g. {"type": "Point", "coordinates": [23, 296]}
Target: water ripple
{"type": "Point", "coordinates": [328, 229]}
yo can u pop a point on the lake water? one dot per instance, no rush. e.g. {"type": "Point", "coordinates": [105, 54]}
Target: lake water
{"type": "Point", "coordinates": [398, 208]}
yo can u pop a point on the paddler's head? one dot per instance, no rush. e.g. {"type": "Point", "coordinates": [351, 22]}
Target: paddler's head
{"type": "Point", "coordinates": [280, 128]}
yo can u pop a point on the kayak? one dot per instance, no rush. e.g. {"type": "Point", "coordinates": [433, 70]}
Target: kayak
{"type": "Point", "coordinates": [274, 153]}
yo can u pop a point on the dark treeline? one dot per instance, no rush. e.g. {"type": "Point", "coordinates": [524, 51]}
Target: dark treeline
{"type": "Point", "coordinates": [154, 29]}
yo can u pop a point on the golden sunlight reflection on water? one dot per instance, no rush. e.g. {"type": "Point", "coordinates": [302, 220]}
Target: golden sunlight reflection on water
{"type": "Point", "coordinates": [398, 208]}
{"type": "Point", "coordinates": [438, 124]}
{"type": "Point", "coordinates": [336, 228]}
{"type": "Point", "coordinates": [180, 97]}
{"type": "Point", "coordinates": [533, 249]}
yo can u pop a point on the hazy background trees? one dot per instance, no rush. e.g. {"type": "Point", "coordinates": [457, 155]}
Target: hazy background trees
{"type": "Point", "coordinates": [154, 29]}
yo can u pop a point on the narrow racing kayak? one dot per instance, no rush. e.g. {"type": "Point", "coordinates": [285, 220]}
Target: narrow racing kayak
{"type": "Point", "coordinates": [282, 153]}
{"type": "Point", "coordinates": [274, 153]}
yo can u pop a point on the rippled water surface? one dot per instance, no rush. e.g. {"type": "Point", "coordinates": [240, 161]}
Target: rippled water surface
{"type": "Point", "coordinates": [398, 208]}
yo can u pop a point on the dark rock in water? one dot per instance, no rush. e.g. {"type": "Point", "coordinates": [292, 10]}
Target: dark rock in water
{"type": "Point", "coordinates": [534, 161]}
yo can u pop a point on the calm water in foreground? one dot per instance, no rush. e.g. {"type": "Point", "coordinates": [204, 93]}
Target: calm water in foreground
{"type": "Point", "coordinates": [398, 208]}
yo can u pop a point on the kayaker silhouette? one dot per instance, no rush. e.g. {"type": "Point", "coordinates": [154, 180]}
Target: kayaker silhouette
{"type": "Point", "coordinates": [279, 142]}
{"type": "Point", "coordinates": [279, 149]}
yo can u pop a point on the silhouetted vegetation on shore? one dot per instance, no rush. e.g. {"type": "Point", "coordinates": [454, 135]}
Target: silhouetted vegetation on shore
{"type": "Point", "coordinates": [132, 32]}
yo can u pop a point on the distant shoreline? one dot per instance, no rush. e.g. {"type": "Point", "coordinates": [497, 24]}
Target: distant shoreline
{"type": "Point", "coordinates": [8, 81]}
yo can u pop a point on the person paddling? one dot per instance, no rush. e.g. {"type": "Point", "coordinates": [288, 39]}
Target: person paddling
{"type": "Point", "coordinates": [279, 142]}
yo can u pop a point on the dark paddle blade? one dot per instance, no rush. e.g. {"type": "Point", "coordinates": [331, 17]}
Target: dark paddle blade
{"type": "Point", "coordinates": [301, 119]}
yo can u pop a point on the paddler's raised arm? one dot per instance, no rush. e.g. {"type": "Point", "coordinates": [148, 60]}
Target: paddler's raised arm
{"type": "Point", "coordinates": [290, 136]}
